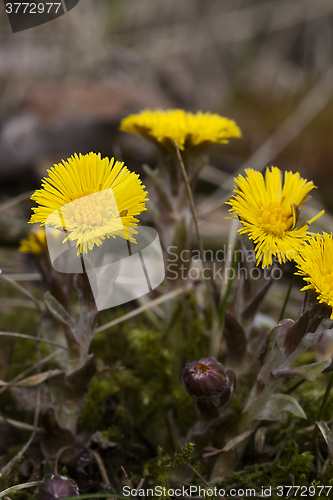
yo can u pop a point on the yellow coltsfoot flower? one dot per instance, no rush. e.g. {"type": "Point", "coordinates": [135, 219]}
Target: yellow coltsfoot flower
{"type": "Point", "coordinates": [35, 243]}
{"type": "Point", "coordinates": [188, 130]}
{"type": "Point", "coordinates": [315, 264]}
{"type": "Point", "coordinates": [269, 211]}
{"type": "Point", "coordinates": [90, 198]}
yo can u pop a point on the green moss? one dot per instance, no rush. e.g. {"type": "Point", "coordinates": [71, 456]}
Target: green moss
{"type": "Point", "coordinates": [159, 467]}
{"type": "Point", "coordinates": [184, 412]}
{"type": "Point", "coordinates": [293, 462]}
{"type": "Point", "coordinates": [112, 433]}
{"type": "Point", "coordinates": [124, 417]}
{"type": "Point", "coordinates": [95, 403]}
{"type": "Point", "coordinates": [294, 466]}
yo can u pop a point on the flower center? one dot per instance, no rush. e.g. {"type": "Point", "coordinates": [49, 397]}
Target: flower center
{"type": "Point", "coordinates": [328, 283]}
{"type": "Point", "coordinates": [202, 367]}
{"type": "Point", "coordinates": [90, 209]}
{"type": "Point", "coordinates": [275, 218]}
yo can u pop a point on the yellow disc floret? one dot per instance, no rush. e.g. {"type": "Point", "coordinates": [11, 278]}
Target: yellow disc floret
{"type": "Point", "coordinates": [275, 218]}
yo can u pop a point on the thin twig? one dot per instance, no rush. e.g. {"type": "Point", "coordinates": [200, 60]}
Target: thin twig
{"type": "Point", "coordinates": [21, 289]}
{"type": "Point", "coordinates": [35, 339]}
{"type": "Point", "coordinates": [199, 476]}
{"type": "Point", "coordinates": [101, 466]}
{"type": "Point", "coordinates": [59, 453]}
{"type": "Point", "coordinates": [145, 307]}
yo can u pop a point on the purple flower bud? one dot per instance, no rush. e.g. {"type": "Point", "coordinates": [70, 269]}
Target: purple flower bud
{"type": "Point", "coordinates": [207, 382]}
{"type": "Point", "coordinates": [56, 486]}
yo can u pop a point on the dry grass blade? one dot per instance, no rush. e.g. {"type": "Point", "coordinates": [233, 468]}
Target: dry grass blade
{"type": "Point", "coordinates": [19, 487]}
{"type": "Point", "coordinates": [22, 290]}
{"type": "Point", "coordinates": [20, 425]}
{"type": "Point", "coordinates": [145, 307]}
{"type": "Point", "coordinates": [32, 368]}
{"type": "Point", "coordinates": [35, 339]}
{"type": "Point", "coordinates": [14, 201]}
{"type": "Point", "coordinates": [33, 380]}
{"type": "Point", "coordinates": [26, 276]}
{"type": "Point", "coordinates": [229, 446]}
{"type": "Point", "coordinates": [327, 434]}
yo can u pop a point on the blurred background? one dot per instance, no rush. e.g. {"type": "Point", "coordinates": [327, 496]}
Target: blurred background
{"type": "Point", "coordinates": [65, 86]}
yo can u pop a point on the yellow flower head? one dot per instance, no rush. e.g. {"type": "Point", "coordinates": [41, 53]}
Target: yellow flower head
{"type": "Point", "coordinates": [314, 262]}
{"type": "Point", "coordinates": [35, 243]}
{"type": "Point", "coordinates": [91, 198]}
{"type": "Point", "coordinates": [188, 130]}
{"type": "Point", "coordinates": [269, 211]}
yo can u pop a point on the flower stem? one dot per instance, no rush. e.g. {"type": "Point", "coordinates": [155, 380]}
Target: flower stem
{"type": "Point", "coordinates": [199, 240]}
{"type": "Point", "coordinates": [287, 298]}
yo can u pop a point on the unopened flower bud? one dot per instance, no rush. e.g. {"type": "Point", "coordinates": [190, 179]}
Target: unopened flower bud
{"type": "Point", "coordinates": [207, 382]}
{"type": "Point", "coordinates": [55, 486]}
